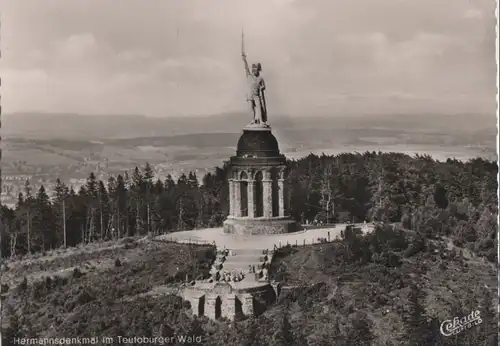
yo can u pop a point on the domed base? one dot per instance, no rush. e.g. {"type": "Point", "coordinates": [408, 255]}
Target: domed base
{"type": "Point", "coordinates": [259, 226]}
{"type": "Point", "coordinates": [257, 140]}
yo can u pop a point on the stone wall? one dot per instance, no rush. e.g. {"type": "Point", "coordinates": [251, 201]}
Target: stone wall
{"type": "Point", "coordinates": [215, 305]}
{"type": "Point", "coordinates": [222, 299]}
{"type": "Point", "coordinates": [259, 226]}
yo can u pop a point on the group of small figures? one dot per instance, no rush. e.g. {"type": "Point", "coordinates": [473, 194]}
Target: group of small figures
{"type": "Point", "coordinates": [222, 253]}
{"type": "Point", "coordinates": [235, 276]}
{"type": "Point", "coordinates": [226, 276]}
{"type": "Point", "coordinates": [263, 273]}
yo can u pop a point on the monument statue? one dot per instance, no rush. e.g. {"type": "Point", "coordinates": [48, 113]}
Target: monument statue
{"type": "Point", "coordinates": [256, 87]}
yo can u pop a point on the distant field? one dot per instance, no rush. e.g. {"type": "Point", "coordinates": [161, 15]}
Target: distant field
{"type": "Point", "coordinates": [199, 151]}
{"type": "Point", "coordinates": [35, 157]}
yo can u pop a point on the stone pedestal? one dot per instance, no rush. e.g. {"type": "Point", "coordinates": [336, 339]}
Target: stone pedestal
{"type": "Point", "coordinates": [258, 161]}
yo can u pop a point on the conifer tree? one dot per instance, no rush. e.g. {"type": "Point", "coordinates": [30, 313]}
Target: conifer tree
{"type": "Point", "coordinates": [148, 187]}
{"type": "Point", "coordinates": [137, 199]}
{"type": "Point", "coordinates": [44, 233]}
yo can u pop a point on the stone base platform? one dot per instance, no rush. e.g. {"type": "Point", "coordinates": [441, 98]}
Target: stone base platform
{"type": "Point", "coordinates": [260, 226]}
{"type": "Point", "coordinates": [246, 286]}
{"type": "Point", "coordinates": [217, 300]}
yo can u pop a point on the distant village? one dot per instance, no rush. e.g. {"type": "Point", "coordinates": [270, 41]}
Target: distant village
{"type": "Point", "coordinates": [14, 183]}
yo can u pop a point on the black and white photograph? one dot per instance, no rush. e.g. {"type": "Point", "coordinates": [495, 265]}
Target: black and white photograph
{"type": "Point", "coordinates": [249, 172]}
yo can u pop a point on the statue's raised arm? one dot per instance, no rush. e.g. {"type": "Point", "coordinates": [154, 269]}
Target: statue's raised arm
{"type": "Point", "coordinates": [247, 69]}
{"type": "Point", "coordinates": [243, 54]}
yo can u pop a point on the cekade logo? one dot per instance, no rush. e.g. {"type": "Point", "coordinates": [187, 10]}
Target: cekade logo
{"type": "Point", "coordinates": [455, 326]}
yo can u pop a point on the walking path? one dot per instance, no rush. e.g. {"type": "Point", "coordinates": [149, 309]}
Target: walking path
{"type": "Point", "coordinates": [243, 260]}
{"type": "Point", "coordinates": [233, 241]}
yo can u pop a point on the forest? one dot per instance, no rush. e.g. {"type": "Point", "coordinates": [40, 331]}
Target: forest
{"type": "Point", "coordinates": [437, 230]}
{"type": "Point", "coordinates": [452, 198]}
{"type": "Point", "coordinates": [386, 288]}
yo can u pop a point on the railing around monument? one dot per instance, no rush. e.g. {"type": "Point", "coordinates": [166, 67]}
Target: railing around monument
{"type": "Point", "coordinates": [305, 242]}
{"type": "Point", "coordinates": [317, 240]}
{"type": "Point", "coordinates": [186, 241]}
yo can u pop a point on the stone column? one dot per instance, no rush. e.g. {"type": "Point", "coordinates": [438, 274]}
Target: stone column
{"type": "Point", "coordinates": [281, 197]}
{"type": "Point", "coordinates": [210, 307]}
{"type": "Point", "coordinates": [194, 305]}
{"type": "Point", "coordinates": [237, 198]}
{"type": "Point", "coordinates": [228, 308]}
{"type": "Point", "coordinates": [231, 197]}
{"type": "Point", "coordinates": [251, 198]}
{"type": "Point", "coordinates": [247, 304]}
{"type": "Point", "coordinates": [267, 194]}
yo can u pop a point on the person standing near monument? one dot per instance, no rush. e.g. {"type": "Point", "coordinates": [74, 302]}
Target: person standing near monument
{"type": "Point", "coordinates": [255, 92]}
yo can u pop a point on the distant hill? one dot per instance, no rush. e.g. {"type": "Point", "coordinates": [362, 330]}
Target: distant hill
{"type": "Point", "coordinates": [88, 127]}
{"type": "Point", "coordinates": [99, 127]}
{"type": "Point", "coordinates": [199, 140]}
{"type": "Point", "coordinates": [65, 139]}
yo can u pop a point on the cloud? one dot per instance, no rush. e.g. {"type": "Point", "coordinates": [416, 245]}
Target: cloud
{"type": "Point", "coordinates": [134, 55]}
{"type": "Point", "coordinates": [473, 13]}
{"type": "Point", "coordinates": [183, 57]}
{"type": "Point", "coordinates": [77, 46]}
{"type": "Point", "coordinates": [33, 83]}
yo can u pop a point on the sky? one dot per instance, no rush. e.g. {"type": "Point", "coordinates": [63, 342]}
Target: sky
{"type": "Point", "coordinates": [182, 57]}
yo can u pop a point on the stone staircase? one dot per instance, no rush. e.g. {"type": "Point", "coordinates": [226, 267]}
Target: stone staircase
{"type": "Point", "coordinates": [240, 261]}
